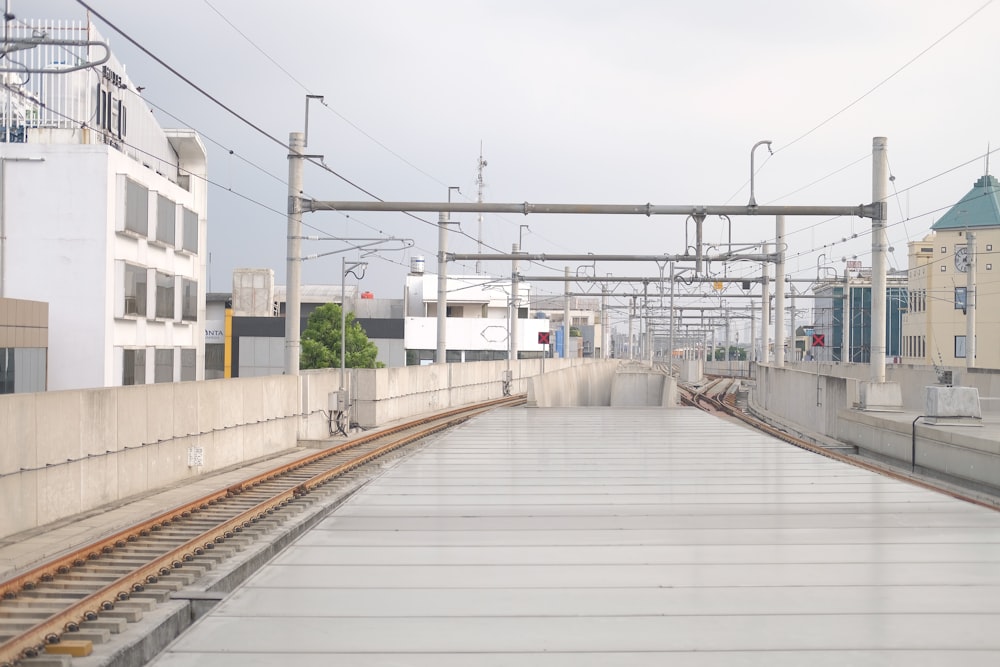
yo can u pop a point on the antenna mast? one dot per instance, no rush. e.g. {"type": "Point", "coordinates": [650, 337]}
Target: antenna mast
{"type": "Point", "coordinates": [479, 184]}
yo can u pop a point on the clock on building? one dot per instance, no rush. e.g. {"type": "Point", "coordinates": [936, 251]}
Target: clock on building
{"type": "Point", "coordinates": [962, 258]}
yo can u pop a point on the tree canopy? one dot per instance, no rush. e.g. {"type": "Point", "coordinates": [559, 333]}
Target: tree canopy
{"type": "Point", "coordinates": [321, 341]}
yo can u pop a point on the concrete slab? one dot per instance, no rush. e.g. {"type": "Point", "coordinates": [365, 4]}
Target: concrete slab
{"type": "Point", "coordinates": [583, 536]}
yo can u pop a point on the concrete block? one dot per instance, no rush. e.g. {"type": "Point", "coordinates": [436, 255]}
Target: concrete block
{"type": "Point", "coordinates": [159, 411]}
{"type": "Point", "coordinates": [57, 424]}
{"type": "Point", "coordinates": [18, 498]}
{"type": "Point", "coordinates": [131, 416]}
{"type": "Point", "coordinates": [952, 405]}
{"type": "Point", "coordinates": [18, 437]}
{"type": "Point", "coordinates": [881, 397]}
{"type": "Point", "coordinates": [691, 370]}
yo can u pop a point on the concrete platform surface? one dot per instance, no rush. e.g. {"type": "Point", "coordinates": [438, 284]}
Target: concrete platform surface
{"type": "Point", "coordinates": [598, 536]}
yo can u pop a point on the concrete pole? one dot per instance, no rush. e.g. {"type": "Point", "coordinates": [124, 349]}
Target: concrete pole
{"type": "Point", "coordinates": [442, 302]}
{"type": "Point", "coordinates": [670, 334]}
{"type": "Point", "coordinates": [566, 317]}
{"type": "Point", "coordinates": [515, 302]}
{"type": "Point", "coordinates": [631, 315]}
{"type": "Point", "coordinates": [753, 333]}
{"type": "Point", "coordinates": [604, 322]}
{"type": "Point", "coordinates": [779, 294]}
{"type": "Point", "coordinates": [343, 319]}
{"type": "Point", "coordinates": [793, 348]}
{"type": "Point", "coordinates": [970, 303]}
{"type": "Point", "coordinates": [880, 190]}
{"type": "Point", "coordinates": [845, 319]}
{"type": "Point", "coordinates": [293, 308]}
{"type": "Point", "coordinates": [729, 358]}
{"type": "Point", "coordinates": [765, 308]}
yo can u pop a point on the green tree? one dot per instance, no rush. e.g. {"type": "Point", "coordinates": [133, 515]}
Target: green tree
{"type": "Point", "coordinates": [321, 341]}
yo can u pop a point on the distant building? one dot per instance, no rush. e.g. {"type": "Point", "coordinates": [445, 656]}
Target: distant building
{"type": "Point", "coordinates": [24, 340]}
{"type": "Point", "coordinates": [934, 329]}
{"type": "Point", "coordinates": [844, 325]}
{"type": "Point", "coordinates": [104, 218]}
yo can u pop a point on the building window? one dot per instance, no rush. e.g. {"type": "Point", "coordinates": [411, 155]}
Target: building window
{"type": "Point", "coordinates": [166, 220]}
{"type": "Point", "coordinates": [190, 220]}
{"type": "Point", "coordinates": [989, 247]}
{"type": "Point", "coordinates": [164, 296]}
{"type": "Point", "coordinates": [960, 298]}
{"type": "Point", "coordinates": [136, 207]}
{"type": "Point", "coordinates": [164, 367]}
{"type": "Point", "coordinates": [215, 361]}
{"type": "Point", "coordinates": [455, 311]}
{"type": "Point", "coordinates": [135, 290]}
{"type": "Point", "coordinates": [943, 268]}
{"type": "Point", "coordinates": [989, 267]}
{"type": "Point", "coordinates": [189, 300]}
{"type": "Point", "coordinates": [960, 347]}
{"type": "Point", "coordinates": [188, 358]}
{"type": "Point", "coordinates": [133, 367]}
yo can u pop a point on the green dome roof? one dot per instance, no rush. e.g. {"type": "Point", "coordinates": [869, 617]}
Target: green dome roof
{"type": "Point", "coordinates": [979, 208]}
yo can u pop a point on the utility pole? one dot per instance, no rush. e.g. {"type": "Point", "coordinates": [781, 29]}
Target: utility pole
{"type": "Point", "coordinates": [515, 302]}
{"type": "Point", "coordinates": [479, 198]}
{"type": "Point", "coordinates": [880, 186]}
{"type": "Point", "coordinates": [444, 219]}
{"type": "Point", "coordinates": [779, 294]}
{"type": "Point", "coordinates": [293, 309]}
{"type": "Point", "coordinates": [765, 308]}
{"type": "Point", "coordinates": [566, 317]}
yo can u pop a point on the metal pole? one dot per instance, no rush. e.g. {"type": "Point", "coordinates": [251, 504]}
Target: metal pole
{"type": "Point", "coordinates": [631, 315]}
{"type": "Point", "coordinates": [293, 308]}
{"type": "Point", "coordinates": [343, 319]}
{"type": "Point", "coordinates": [845, 319]}
{"type": "Point", "coordinates": [765, 310]}
{"type": "Point", "coordinates": [753, 332]}
{"type": "Point", "coordinates": [970, 303]}
{"type": "Point", "coordinates": [604, 322]}
{"type": "Point", "coordinates": [880, 188]}
{"type": "Point", "coordinates": [442, 303]}
{"type": "Point", "coordinates": [794, 348]}
{"type": "Point", "coordinates": [670, 335]}
{"type": "Point", "coordinates": [779, 294]}
{"type": "Point", "coordinates": [566, 318]}
{"type": "Point", "coordinates": [515, 302]}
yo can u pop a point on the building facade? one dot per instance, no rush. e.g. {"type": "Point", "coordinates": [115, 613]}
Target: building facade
{"type": "Point", "coordinates": [105, 217]}
{"type": "Point", "coordinates": [24, 340]}
{"type": "Point", "coordinates": [935, 328]}
{"type": "Point", "coordinates": [843, 323]}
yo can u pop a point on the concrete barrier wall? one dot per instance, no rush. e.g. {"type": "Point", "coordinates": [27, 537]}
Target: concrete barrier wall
{"type": "Point", "coordinates": [67, 452]}
{"type": "Point", "coordinates": [825, 405]}
{"type": "Point", "coordinates": [388, 394]}
{"type": "Point", "coordinates": [577, 386]}
{"type": "Point", "coordinates": [611, 383]}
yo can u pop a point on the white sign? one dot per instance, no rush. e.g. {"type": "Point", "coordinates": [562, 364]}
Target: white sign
{"type": "Point", "coordinates": [196, 457]}
{"type": "Point", "coordinates": [215, 332]}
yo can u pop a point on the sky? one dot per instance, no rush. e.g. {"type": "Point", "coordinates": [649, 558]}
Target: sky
{"type": "Point", "coordinates": [570, 101]}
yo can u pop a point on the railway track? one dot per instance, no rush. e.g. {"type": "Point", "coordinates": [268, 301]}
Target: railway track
{"type": "Point", "coordinates": [81, 598]}
{"type": "Point", "coordinates": [718, 397]}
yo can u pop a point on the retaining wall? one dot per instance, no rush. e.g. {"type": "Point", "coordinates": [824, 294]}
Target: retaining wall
{"type": "Point", "coordinates": [69, 452]}
{"type": "Point", "coordinates": [826, 404]}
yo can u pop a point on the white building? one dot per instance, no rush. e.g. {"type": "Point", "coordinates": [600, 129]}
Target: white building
{"type": "Point", "coordinates": [477, 323]}
{"type": "Point", "coordinates": [104, 218]}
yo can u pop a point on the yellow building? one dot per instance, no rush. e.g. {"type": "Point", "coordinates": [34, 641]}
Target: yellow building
{"type": "Point", "coordinates": [934, 329]}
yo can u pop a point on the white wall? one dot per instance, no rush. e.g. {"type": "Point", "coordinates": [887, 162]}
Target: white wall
{"type": "Point", "coordinates": [61, 248]}
{"type": "Point", "coordinates": [420, 333]}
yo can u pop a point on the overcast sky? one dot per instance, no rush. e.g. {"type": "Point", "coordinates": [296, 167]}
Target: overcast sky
{"type": "Point", "coordinates": [573, 101]}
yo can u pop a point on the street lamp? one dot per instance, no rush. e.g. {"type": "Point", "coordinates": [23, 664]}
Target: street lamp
{"type": "Point", "coordinates": [765, 142]}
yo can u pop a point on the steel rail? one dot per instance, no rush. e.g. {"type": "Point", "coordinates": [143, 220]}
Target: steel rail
{"type": "Point", "coordinates": [31, 642]}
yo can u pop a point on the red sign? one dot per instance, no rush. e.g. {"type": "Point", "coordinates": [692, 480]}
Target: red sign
{"type": "Point", "coordinates": [543, 337]}
{"type": "Point", "coordinates": [819, 340]}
